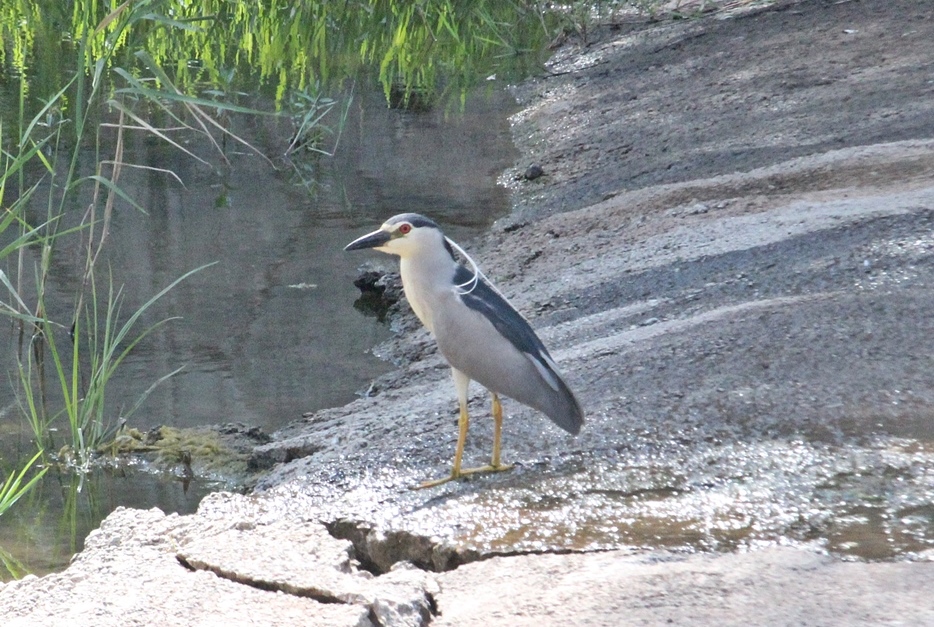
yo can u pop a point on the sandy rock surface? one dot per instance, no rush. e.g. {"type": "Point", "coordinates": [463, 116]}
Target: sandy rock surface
{"type": "Point", "coordinates": [778, 586]}
{"type": "Point", "coordinates": [130, 574]}
{"type": "Point", "coordinates": [730, 253]}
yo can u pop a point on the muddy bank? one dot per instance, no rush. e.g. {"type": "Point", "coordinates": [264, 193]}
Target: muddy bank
{"type": "Point", "coordinates": [748, 331]}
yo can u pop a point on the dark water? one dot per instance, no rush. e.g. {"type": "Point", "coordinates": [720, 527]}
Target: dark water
{"type": "Point", "coordinates": [270, 331]}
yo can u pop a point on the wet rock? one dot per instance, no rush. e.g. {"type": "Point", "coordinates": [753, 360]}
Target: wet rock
{"type": "Point", "coordinates": [379, 291]}
{"type": "Point", "coordinates": [243, 435]}
{"type": "Point", "coordinates": [380, 550]}
{"type": "Point", "coordinates": [268, 455]}
{"type": "Point", "coordinates": [533, 172]}
{"type": "Point", "coordinates": [243, 560]}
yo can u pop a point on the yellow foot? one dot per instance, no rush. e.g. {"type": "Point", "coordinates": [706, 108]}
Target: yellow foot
{"type": "Point", "coordinates": [487, 468]}
{"type": "Point", "coordinates": [464, 472]}
{"type": "Point", "coordinates": [436, 482]}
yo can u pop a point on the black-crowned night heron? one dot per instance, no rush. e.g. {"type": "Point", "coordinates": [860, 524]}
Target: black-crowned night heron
{"type": "Point", "coordinates": [480, 334]}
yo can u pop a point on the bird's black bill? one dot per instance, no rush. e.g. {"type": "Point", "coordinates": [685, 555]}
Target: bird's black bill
{"type": "Point", "coordinates": [373, 240]}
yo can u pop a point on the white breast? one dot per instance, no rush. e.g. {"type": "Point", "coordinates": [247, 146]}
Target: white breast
{"type": "Point", "coordinates": [428, 281]}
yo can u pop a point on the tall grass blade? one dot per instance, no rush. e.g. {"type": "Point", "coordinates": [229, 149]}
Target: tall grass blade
{"type": "Point", "coordinates": [14, 488]}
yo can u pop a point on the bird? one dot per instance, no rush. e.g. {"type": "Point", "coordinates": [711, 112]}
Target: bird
{"type": "Point", "coordinates": [478, 332]}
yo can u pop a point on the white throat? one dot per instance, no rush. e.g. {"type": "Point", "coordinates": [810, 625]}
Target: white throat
{"type": "Point", "coordinates": [427, 277]}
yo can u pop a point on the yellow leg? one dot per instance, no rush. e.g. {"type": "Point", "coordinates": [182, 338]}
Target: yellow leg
{"type": "Point", "coordinates": [461, 382]}
{"type": "Point", "coordinates": [497, 430]}
{"type": "Point", "coordinates": [495, 465]}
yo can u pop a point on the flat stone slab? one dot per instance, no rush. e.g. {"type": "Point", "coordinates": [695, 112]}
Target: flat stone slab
{"type": "Point", "coordinates": [778, 586]}
{"type": "Point", "coordinates": [129, 574]}
{"type": "Point", "coordinates": [145, 568]}
{"type": "Point", "coordinates": [301, 558]}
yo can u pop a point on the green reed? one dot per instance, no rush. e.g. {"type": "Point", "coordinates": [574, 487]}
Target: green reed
{"type": "Point", "coordinates": [17, 484]}
{"type": "Point", "coordinates": [431, 46]}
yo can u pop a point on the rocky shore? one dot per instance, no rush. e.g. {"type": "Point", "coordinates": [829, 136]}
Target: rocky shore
{"type": "Point", "coordinates": [730, 251]}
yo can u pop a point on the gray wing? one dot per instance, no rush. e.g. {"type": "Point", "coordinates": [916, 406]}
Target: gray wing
{"type": "Point", "coordinates": [562, 406]}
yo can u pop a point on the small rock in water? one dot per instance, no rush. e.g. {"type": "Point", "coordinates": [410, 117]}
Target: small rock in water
{"type": "Point", "coordinates": [533, 172]}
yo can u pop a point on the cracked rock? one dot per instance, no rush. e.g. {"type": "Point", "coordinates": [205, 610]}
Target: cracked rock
{"type": "Point", "coordinates": [303, 559]}
{"type": "Point", "coordinates": [128, 575]}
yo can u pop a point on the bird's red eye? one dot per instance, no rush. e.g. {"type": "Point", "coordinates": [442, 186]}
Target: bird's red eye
{"type": "Point", "coordinates": [405, 228]}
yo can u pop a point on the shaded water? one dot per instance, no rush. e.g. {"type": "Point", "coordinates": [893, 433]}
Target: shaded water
{"type": "Point", "coordinates": [270, 331]}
